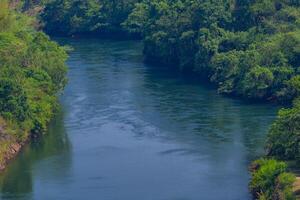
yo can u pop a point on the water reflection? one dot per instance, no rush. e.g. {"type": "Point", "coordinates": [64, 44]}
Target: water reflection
{"type": "Point", "coordinates": [221, 135]}
{"type": "Point", "coordinates": [18, 181]}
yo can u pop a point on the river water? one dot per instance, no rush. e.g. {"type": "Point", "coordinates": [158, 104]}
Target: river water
{"type": "Point", "coordinates": [132, 131]}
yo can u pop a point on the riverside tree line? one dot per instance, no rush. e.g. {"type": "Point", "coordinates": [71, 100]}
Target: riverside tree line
{"type": "Point", "coordinates": [32, 72]}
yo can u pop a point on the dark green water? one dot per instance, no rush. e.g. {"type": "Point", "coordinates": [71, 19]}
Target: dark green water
{"type": "Point", "coordinates": [130, 131]}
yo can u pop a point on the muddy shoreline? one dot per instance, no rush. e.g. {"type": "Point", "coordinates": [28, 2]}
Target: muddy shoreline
{"type": "Point", "coordinates": [9, 149]}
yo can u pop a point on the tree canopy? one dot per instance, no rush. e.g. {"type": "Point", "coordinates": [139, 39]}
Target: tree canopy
{"type": "Point", "coordinates": [32, 72]}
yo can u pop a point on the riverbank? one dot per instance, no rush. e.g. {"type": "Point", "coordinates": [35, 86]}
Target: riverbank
{"type": "Point", "coordinates": [32, 73]}
{"type": "Point", "coordinates": [9, 149]}
{"type": "Point", "coordinates": [9, 146]}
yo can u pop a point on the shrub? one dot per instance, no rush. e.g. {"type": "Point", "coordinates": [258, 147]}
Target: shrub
{"type": "Point", "coordinates": [270, 181]}
{"type": "Point", "coordinates": [284, 136]}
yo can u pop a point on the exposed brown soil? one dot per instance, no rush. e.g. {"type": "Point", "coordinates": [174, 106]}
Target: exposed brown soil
{"type": "Point", "coordinates": [9, 148]}
{"type": "Point", "coordinates": [296, 188]}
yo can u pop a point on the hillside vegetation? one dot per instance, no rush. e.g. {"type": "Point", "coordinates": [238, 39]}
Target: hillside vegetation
{"type": "Point", "coordinates": [32, 72]}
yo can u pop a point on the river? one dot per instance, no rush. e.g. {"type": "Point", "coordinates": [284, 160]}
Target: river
{"type": "Point", "coordinates": [132, 131]}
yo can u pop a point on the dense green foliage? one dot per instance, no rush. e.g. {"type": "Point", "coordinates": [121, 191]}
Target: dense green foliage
{"type": "Point", "coordinates": [32, 72]}
{"type": "Point", "coordinates": [270, 181]}
{"type": "Point", "coordinates": [86, 16]}
{"type": "Point", "coordinates": [246, 49]}
{"type": "Point", "coordinates": [284, 138]}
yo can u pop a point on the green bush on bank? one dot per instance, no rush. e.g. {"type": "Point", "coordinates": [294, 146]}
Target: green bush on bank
{"type": "Point", "coordinates": [284, 136]}
{"type": "Point", "coordinates": [271, 181]}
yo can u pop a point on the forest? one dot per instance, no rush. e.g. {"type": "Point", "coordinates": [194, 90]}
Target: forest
{"type": "Point", "coordinates": [245, 48]}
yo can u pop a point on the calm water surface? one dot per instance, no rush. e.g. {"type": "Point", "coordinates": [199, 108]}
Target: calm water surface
{"type": "Point", "coordinates": [131, 131]}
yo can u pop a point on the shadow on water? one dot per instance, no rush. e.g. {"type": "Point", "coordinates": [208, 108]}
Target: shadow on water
{"type": "Point", "coordinates": [17, 181]}
{"type": "Point", "coordinates": [201, 112]}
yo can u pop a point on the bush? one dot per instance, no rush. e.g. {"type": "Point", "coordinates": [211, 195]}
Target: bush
{"type": "Point", "coordinates": [13, 100]}
{"type": "Point", "coordinates": [284, 136]}
{"type": "Point", "coordinates": [258, 82]}
{"type": "Point", "coordinates": [283, 189]}
{"type": "Point", "coordinates": [270, 181]}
